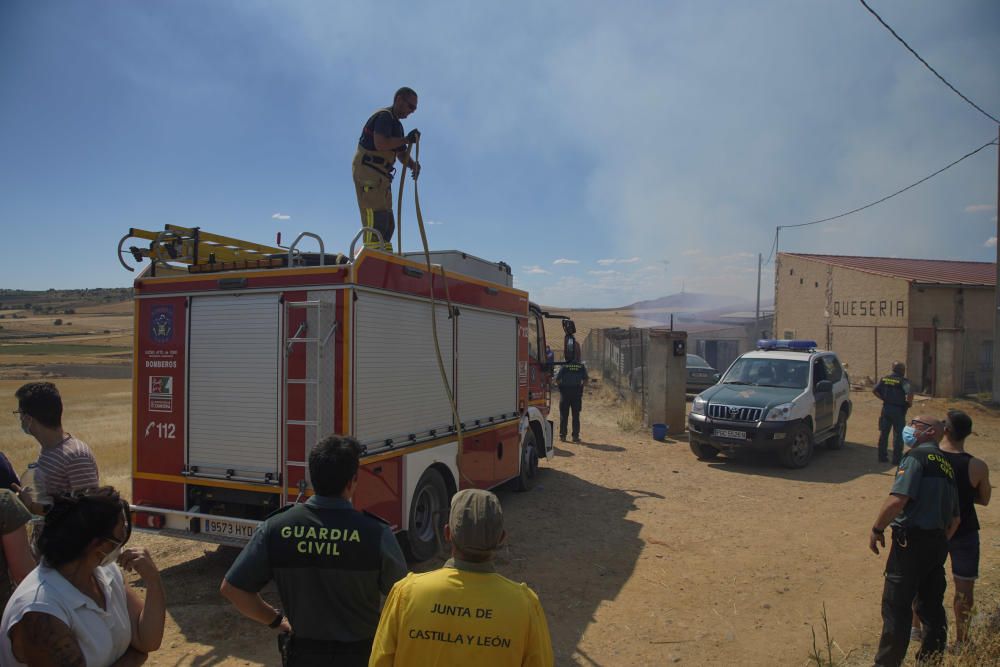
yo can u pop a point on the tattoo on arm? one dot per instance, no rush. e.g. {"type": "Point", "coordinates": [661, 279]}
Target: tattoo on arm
{"type": "Point", "coordinates": [48, 641]}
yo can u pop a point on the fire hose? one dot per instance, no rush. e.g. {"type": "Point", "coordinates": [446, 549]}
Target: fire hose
{"type": "Point", "coordinates": [457, 422]}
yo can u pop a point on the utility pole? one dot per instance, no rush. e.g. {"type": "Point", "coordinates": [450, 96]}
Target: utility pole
{"type": "Point", "coordinates": [996, 291]}
{"type": "Point", "coordinates": [756, 314]}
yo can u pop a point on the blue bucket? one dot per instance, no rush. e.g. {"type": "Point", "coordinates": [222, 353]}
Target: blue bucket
{"type": "Point", "coordinates": [660, 432]}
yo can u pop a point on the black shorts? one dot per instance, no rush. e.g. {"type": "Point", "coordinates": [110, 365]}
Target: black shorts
{"type": "Point", "coordinates": [964, 551]}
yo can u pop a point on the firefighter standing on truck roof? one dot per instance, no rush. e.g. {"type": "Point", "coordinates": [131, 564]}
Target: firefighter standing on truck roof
{"type": "Point", "coordinates": [382, 143]}
{"type": "Point", "coordinates": [330, 562]}
{"type": "Point", "coordinates": [897, 395]}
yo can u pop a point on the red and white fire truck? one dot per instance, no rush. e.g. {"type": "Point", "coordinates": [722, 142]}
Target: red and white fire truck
{"type": "Point", "coordinates": [246, 355]}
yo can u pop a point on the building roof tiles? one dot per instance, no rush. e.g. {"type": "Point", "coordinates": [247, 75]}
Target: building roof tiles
{"type": "Point", "coordinates": [921, 271]}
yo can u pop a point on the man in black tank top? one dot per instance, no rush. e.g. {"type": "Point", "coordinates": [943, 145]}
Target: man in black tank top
{"type": "Point", "coordinates": [973, 478]}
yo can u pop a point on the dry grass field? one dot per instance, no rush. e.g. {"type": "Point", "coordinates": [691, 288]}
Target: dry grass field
{"type": "Point", "coordinates": [641, 554]}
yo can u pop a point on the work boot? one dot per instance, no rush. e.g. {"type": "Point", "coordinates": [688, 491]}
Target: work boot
{"type": "Point", "coordinates": [562, 437]}
{"type": "Point", "coordinates": [576, 439]}
{"type": "Point", "coordinates": [882, 458]}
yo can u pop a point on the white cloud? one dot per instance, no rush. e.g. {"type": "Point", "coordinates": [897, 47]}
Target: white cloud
{"type": "Point", "coordinates": [979, 208]}
{"type": "Point", "coordinates": [691, 252]}
{"type": "Point", "coordinates": [615, 260]}
{"type": "Point", "coordinates": [563, 260]}
{"type": "Point", "coordinates": [280, 216]}
{"type": "Point", "coordinates": [608, 272]}
{"type": "Point", "coordinates": [435, 222]}
{"type": "Point", "coordinates": [535, 269]}
{"type": "Point", "coordinates": [991, 242]}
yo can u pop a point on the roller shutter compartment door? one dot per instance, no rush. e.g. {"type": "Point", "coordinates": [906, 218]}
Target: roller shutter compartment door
{"type": "Point", "coordinates": [233, 395]}
{"type": "Point", "coordinates": [397, 384]}
{"type": "Point", "coordinates": [487, 365]}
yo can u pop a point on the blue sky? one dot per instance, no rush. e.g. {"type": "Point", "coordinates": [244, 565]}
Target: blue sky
{"type": "Point", "coordinates": [608, 152]}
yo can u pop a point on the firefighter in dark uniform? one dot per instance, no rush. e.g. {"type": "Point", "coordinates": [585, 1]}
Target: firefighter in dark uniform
{"type": "Point", "coordinates": [897, 396]}
{"type": "Point", "coordinates": [571, 378]}
{"type": "Point", "coordinates": [331, 563]}
{"type": "Point", "coordinates": [923, 510]}
{"type": "Point", "coordinates": [381, 144]}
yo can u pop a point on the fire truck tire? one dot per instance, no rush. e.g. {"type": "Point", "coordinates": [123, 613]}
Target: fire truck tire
{"type": "Point", "coordinates": [529, 464]}
{"type": "Point", "coordinates": [428, 514]}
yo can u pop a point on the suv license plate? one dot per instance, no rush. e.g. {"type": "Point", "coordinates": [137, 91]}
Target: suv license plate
{"type": "Point", "coordinates": [726, 433]}
{"type": "Point", "coordinates": [227, 528]}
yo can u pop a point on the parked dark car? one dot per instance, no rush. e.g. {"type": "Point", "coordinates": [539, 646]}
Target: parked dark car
{"type": "Point", "coordinates": [700, 374]}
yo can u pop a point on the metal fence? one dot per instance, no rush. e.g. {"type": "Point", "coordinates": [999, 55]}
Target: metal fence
{"type": "Point", "coordinates": [619, 356]}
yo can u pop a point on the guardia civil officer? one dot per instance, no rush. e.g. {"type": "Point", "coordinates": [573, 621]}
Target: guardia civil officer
{"type": "Point", "coordinates": [897, 396]}
{"type": "Point", "coordinates": [330, 562]}
{"type": "Point", "coordinates": [923, 510]}
{"type": "Point", "coordinates": [571, 378]}
{"type": "Point", "coordinates": [465, 613]}
{"type": "Point", "coordinates": [382, 143]}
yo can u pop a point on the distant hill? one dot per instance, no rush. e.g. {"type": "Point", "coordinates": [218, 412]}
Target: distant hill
{"type": "Point", "coordinates": [691, 301]}
{"type": "Point", "coordinates": [54, 301]}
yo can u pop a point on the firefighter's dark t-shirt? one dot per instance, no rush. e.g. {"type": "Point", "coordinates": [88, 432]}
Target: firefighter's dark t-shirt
{"type": "Point", "coordinates": [381, 122]}
{"type": "Point", "coordinates": [330, 563]}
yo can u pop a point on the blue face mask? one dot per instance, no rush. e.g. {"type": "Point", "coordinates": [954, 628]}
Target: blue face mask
{"type": "Point", "coordinates": [909, 436]}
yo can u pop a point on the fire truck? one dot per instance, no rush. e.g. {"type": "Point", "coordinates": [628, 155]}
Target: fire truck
{"type": "Point", "coordinates": [246, 355]}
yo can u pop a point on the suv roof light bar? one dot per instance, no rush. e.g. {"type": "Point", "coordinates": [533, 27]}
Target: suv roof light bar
{"type": "Point", "coordinates": [786, 344]}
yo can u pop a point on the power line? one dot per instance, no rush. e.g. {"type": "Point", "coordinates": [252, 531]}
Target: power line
{"type": "Point", "coordinates": [991, 142]}
{"type": "Point", "coordinates": [926, 64]}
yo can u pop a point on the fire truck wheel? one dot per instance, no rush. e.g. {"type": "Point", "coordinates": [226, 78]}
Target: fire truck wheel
{"type": "Point", "coordinates": [529, 464]}
{"type": "Point", "coordinates": [428, 513]}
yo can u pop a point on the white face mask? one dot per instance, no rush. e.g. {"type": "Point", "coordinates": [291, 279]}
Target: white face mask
{"type": "Point", "coordinates": [112, 556]}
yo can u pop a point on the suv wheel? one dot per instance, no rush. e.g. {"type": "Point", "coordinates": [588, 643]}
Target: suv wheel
{"type": "Point", "coordinates": [837, 441]}
{"type": "Point", "coordinates": [703, 452]}
{"type": "Point", "coordinates": [799, 449]}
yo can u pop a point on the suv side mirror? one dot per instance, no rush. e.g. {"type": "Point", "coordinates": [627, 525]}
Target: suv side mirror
{"type": "Point", "coordinates": [824, 386]}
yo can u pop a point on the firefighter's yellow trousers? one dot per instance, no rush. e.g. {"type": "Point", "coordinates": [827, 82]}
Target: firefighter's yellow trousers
{"type": "Point", "coordinates": [372, 172]}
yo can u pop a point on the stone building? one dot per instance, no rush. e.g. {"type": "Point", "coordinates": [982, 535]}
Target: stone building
{"type": "Point", "coordinates": [935, 315]}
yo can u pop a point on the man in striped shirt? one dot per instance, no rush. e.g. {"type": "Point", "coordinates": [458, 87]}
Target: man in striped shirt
{"type": "Point", "coordinates": [65, 464]}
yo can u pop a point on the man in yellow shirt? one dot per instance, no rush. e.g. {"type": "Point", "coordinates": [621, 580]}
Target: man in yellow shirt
{"type": "Point", "coordinates": [465, 613]}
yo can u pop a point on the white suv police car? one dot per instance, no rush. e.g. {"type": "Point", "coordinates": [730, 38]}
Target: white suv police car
{"type": "Point", "coordinates": [784, 396]}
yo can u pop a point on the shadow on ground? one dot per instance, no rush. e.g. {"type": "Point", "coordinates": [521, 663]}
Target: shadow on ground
{"type": "Point", "coordinates": [826, 467]}
{"type": "Point", "coordinates": [573, 565]}
{"type": "Point", "coordinates": [204, 617]}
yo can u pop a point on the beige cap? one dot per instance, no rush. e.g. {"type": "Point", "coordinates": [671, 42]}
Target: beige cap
{"type": "Point", "coordinates": [476, 522]}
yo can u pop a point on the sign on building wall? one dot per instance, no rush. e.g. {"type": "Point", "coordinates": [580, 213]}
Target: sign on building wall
{"type": "Point", "coordinates": [869, 308]}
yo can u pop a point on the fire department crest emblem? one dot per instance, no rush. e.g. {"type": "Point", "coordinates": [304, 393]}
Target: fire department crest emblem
{"type": "Point", "coordinates": [162, 323]}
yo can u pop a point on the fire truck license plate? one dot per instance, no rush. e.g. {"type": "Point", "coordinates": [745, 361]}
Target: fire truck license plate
{"type": "Point", "coordinates": [226, 528]}
{"type": "Point", "coordinates": [726, 433]}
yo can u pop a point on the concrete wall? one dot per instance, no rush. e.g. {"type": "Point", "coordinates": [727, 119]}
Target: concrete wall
{"type": "Point", "coordinates": [665, 397]}
{"type": "Point", "coordinates": [800, 298]}
{"type": "Point", "coordinates": [960, 319]}
{"type": "Point", "coordinates": [861, 316]}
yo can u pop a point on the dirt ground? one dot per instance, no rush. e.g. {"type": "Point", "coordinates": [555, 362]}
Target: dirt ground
{"type": "Point", "coordinates": [643, 555]}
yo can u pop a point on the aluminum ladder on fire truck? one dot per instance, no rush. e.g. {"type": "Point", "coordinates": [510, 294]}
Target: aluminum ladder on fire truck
{"type": "Point", "coordinates": [312, 383]}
